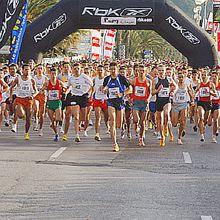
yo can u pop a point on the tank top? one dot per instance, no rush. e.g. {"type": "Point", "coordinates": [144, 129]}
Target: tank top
{"type": "Point", "coordinates": [99, 95]}
{"type": "Point", "coordinates": [164, 94]}
{"type": "Point", "coordinates": [216, 100]}
{"type": "Point", "coordinates": [40, 82]}
{"type": "Point", "coordinates": [181, 95]}
{"type": "Point", "coordinates": [24, 88]}
{"type": "Point", "coordinates": [141, 90]}
{"type": "Point", "coordinates": [114, 87]}
{"type": "Point", "coordinates": [54, 91]}
{"type": "Point", "coordinates": [204, 92]}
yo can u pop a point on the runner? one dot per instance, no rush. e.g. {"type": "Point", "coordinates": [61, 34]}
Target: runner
{"type": "Point", "coordinates": [99, 102]}
{"type": "Point", "coordinates": [215, 111]}
{"type": "Point", "coordinates": [3, 88]}
{"type": "Point", "coordinates": [162, 88]}
{"type": "Point", "coordinates": [40, 99]}
{"type": "Point", "coordinates": [179, 106]}
{"type": "Point", "coordinates": [206, 89]}
{"type": "Point", "coordinates": [26, 91]}
{"type": "Point", "coordinates": [116, 86]}
{"type": "Point", "coordinates": [54, 88]}
{"type": "Point", "coordinates": [141, 94]}
{"type": "Point", "coordinates": [80, 86]}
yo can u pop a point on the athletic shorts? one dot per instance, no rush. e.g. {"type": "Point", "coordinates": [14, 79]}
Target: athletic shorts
{"type": "Point", "coordinates": [140, 105]}
{"type": "Point", "coordinates": [152, 107]}
{"type": "Point", "coordinates": [41, 98]}
{"type": "Point", "coordinates": [177, 107]}
{"type": "Point", "coordinates": [128, 106]}
{"type": "Point", "coordinates": [54, 105]}
{"type": "Point", "coordinates": [25, 102]}
{"type": "Point", "coordinates": [101, 104]}
{"type": "Point", "coordinates": [207, 106]}
{"type": "Point", "coordinates": [7, 101]}
{"type": "Point", "coordinates": [215, 106]}
{"type": "Point", "coordinates": [160, 105]}
{"type": "Point", "coordinates": [118, 104]}
{"type": "Point", "coordinates": [72, 100]}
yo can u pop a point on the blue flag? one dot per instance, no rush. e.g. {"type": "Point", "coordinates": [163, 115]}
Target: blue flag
{"type": "Point", "coordinates": [18, 34]}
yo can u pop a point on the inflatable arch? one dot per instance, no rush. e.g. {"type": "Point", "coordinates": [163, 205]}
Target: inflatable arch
{"type": "Point", "coordinates": [158, 15]}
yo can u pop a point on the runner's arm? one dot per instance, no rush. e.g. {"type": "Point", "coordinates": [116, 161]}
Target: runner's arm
{"type": "Point", "coordinates": [13, 84]}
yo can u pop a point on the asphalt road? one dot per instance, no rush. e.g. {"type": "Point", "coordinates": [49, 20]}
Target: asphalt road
{"type": "Point", "coordinates": [40, 179]}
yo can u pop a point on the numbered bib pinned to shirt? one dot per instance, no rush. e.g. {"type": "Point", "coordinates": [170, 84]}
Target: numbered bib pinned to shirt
{"type": "Point", "coordinates": [53, 95]}
{"type": "Point", "coordinates": [140, 91]}
{"type": "Point", "coordinates": [113, 92]}
{"type": "Point", "coordinates": [204, 92]}
{"type": "Point", "coordinates": [164, 93]}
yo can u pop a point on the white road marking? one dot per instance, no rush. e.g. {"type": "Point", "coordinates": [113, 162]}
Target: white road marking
{"type": "Point", "coordinates": [55, 155]}
{"type": "Point", "coordinates": [187, 157]}
{"type": "Point", "coordinates": [203, 217]}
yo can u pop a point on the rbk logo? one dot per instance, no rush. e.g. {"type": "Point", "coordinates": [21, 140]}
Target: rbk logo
{"type": "Point", "coordinates": [136, 12]}
{"type": "Point", "coordinates": [127, 12]}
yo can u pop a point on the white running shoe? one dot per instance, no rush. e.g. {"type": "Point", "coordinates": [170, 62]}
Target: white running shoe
{"type": "Point", "coordinates": [159, 136]}
{"type": "Point", "coordinates": [86, 134]}
{"type": "Point", "coordinates": [202, 138]}
{"type": "Point", "coordinates": [61, 130]}
{"type": "Point", "coordinates": [179, 142]}
{"type": "Point", "coordinates": [40, 133]}
{"type": "Point", "coordinates": [214, 139]}
{"type": "Point", "coordinates": [14, 128]}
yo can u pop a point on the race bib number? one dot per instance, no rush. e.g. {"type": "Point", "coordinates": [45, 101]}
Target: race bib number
{"type": "Point", "coordinates": [164, 93]}
{"type": "Point", "coordinates": [140, 91]}
{"type": "Point", "coordinates": [181, 97]}
{"type": "Point", "coordinates": [204, 92]}
{"type": "Point", "coordinates": [25, 88]}
{"type": "Point", "coordinates": [77, 86]}
{"type": "Point", "coordinates": [113, 92]}
{"type": "Point", "coordinates": [53, 95]}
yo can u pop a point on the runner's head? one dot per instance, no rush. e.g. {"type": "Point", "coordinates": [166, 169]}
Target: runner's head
{"type": "Point", "coordinates": [76, 69]}
{"type": "Point", "coordinates": [39, 69]}
{"type": "Point", "coordinates": [113, 69]}
{"type": "Point", "coordinates": [154, 72]}
{"type": "Point", "coordinates": [215, 77]}
{"type": "Point", "coordinates": [53, 73]}
{"type": "Point", "coordinates": [26, 70]}
{"type": "Point", "coordinates": [87, 71]}
{"type": "Point", "coordinates": [122, 70]}
{"type": "Point", "coordinates": [136, 69]}
{"type": "Point", "coordinates": [194, 74]}
{"type": "Point", "coordinates": [66, 68]}
{"type": "Point", "coordinates": [13, 68]}
{"type": "Point", "coordinates": [100, 71]}
{"type": "Point", "coordinates": [181, 77]}
{"type": "Point", "coordinates": [168, 72]}
{"type": "Point", "coordinates": [204, 75]}
{"type": "Point", "coordinates": [161, 71]}
{"type": "Point", "coordinates": [142, 71]}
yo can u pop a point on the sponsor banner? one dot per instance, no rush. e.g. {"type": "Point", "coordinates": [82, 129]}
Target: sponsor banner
{"type": "Point", "coordinates": [188, 35]}
{"type": "Point", "coordinates": [218, 41]}
{"type": "Point", "coordinates": [96, 44]}
{"type": "Point", "coordinates": [109, 43]}
{"type": "Point", "coordinates": [9, 12]}
{"type": "Point", "coordinates": [18, 34]}
{"type": "Point", "coordinates": [118, 21]}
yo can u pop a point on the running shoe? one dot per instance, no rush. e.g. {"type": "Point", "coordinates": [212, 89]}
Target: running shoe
{"type": "Point", "coordinates": [217, 134]}
{"type": "Point", "coordinates": [122, 134]}
{"type": "Point", "coordinates": [183, 133]}
{"type": "Point", "coordinates": [27, 136]}
{"type": "Point", "coordinates": [64, 138]}
{"type": "Point", "coordinates": [61, 129]}
{"type": "Point", "coordinates": [107, 132]}
{"type": "Point", "coordinates": [7, 124]}
{"type": "Point", "coordinates": [151, 125]}
{"type": "Point", "coordinates": [159, 137]}
{"type": "Point", "coordinates": [214, 139]}
{"type": "Point", "coordinates": [97, 137]}
{"type": "Point", "coordinates": [171, 137]}
{"type": "Point", "coordinates": [77, 139]}
{"type": "Point", "coordinates": [166, 132]}
{"type": "Point", "coordinates": [179, 142]}
{"type": "Point", "coordinates": [14, 128]}
{"type": "Point", "coordinates": [195, 129]}
{"type": "Point", "coordinates": [116, 148]}
{"type": "Point", "coordinates": [86, 134]}
{"type": "Point", "coordinates": [202, 138]}
{"type": "Point", "coordinates": [56, 138]}
{"type": "Point", "coordinates": [90, 123]}
{"type": "Point", "coordinates": [163, 141]}
{"type": "Point", "coordinates": [129, 136]}
{"type": "Point", "coordinates": [141, 143]}
{"type": "Point", "coordinates": [40, 132]}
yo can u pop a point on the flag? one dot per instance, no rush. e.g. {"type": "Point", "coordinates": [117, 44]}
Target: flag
{"type": "Point", "coordinates": [9, 12]}
{"type": "Point", "coordinates": [96, 45]}
{"type": "Point", "coordinates": [109, 43]}
{"type": "Point", "coordinates": [18, 34]}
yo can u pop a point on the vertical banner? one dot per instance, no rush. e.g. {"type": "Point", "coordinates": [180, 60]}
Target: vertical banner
{"type": "Point", "coordinates": [96, 45]}
{"type": "Point", "coordinates": [218, 41]}
{"type": "Point", "coordinates": [18, 34]}
{"type": "Point", "coordinates": [109, 43]}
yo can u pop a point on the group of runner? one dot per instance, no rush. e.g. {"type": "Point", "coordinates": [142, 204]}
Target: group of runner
{"type": "Point", "coordinates": [128, 95]}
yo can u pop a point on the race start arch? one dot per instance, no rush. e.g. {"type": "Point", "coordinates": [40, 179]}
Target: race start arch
{"type": "Point", "coordinates": [159, 15]}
